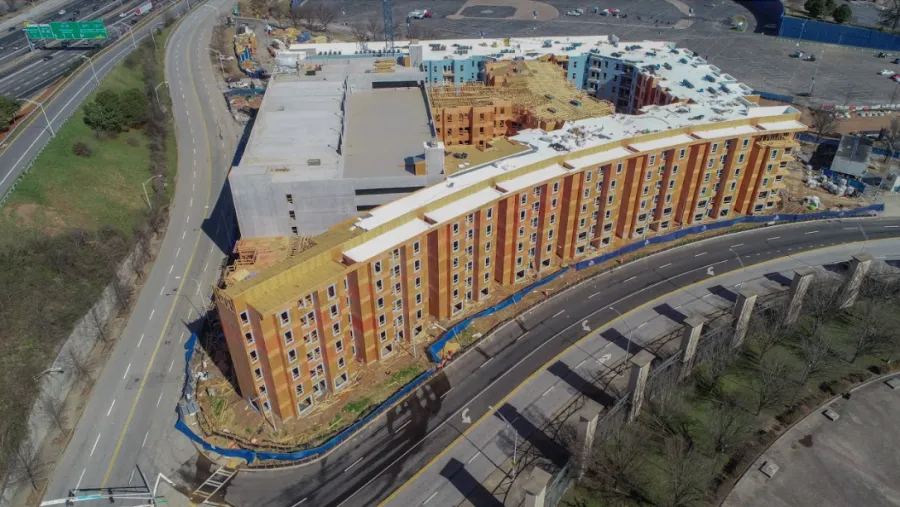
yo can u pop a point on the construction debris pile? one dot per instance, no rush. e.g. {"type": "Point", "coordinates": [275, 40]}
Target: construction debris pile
{"type": "Point", "coordinates": [254, 255]}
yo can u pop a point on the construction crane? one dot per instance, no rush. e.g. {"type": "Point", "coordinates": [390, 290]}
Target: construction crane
{"type": "Point", "coordinates": [387, 13]}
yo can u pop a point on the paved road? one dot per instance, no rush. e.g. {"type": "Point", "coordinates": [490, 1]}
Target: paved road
{"type": "Point", "coordinates": [474, 466]}
{"type": "Point", "coordinates": [387, 453]}
{"type": "Point", "coordinates": [129, 418]}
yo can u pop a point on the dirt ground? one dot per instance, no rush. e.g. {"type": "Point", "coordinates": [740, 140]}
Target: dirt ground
{"type": "Point", "coordinates": [855, 123]}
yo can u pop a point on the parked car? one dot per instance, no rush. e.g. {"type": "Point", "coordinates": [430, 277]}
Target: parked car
{"type": "Point", "coordinates": [797, 54]}
{"type": "Point", "coordinates": [810, 58]}
{"type": "Point", "coordinates": [896, 61]}
{"type": "Point", "coordinates": [47, 58]}
{"type": "Point", "coordinates": [573, 13]}
{"type": "Point", "coordinates": [882, 55]}
{"type": "Point", "coordinates": [62, 12]}
{"type": "Point", "coordinates": [886, 72]}
{"type": "Point", "coordinates": [417, 14]}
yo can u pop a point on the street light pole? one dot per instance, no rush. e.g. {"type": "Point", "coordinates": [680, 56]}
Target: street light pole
{"type": "Point", "coordinates": [221, 66]}
{"type": "Point", "coordinates": [156, 91]}
{"type": "Point", "coordinates": [630, 332]}
{"type": "Point", "coordinates": [47, 118]}
{"type": "Point", "coordinates": [91, 62]}
{"type": "Point", "coordinates": [515, 439]}
{"type": "Point", "coordinates": [133, 42]}
{"type": "Point", "coordinates": [744, 268]}
{"type": "Point", "coordinates": [144, 186]}
{"type": "Point", "coordinates": [192, 279]}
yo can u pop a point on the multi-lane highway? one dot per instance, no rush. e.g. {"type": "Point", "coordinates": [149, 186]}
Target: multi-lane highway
{"type": "Point", "coordinates": [382, 457]}
{"type": "Point", "coordinates": [130, 415]}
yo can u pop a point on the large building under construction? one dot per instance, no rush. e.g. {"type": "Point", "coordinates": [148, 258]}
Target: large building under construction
{"type": "Point", "coordinates": [697, 149]}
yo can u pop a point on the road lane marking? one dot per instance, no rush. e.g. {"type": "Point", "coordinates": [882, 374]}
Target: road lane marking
{"type": "Point", "coordinates": [141, 340]}
{"type": "Point", "coordinates": [298, 503]}
{"type": "Point", "coordinates": [95, 444]}
{"type": "Point", "coordinates": [162, 289]}
{"type": "Point", "coordinates": [145, 439]}
{"type": "Point", "coordinates": [547, 391]}
{"type": "Point", "coordinates": [581, 363]}
{"type": "Point", "coordinates": [183, 234]}
{"type": "Point", "coordinates": [354, 463]}
{"type": "Point", "coordinates": [171, 365]}
{"type": "Point", "coordinates": [403, 426]}
{"type": "Point", "coordinates": [77, 485]}
{"type": "Point", "coordinates": [665, 265]}
{"type": "Point", "coordinates": [151, 314]}
{"type": "Point", "coordinates": [557, 314]}
{"type": "Point", "coordinates": [773, 238]}
{"type": "Point", "coordinates": [630, 279]}
{"type": "Point", "coordinates": [735, 246]}
{"type": "Point", "coordinates": [594, 294]}
{"type": "Point", "coordinates": [113, 404]}
{"type": "Point", "coordinates": [178, 252]}
{"type": "Point", "coordinates": [126, 371]}
{"type": "Point", "coordinates": [699, 254]}
{"type": "Point", "coordinates": [891, 226]}
{"type": "Point", "coordinates": [171, 268]}
{"type": "Point", "coordinates": [473, 457]}
{"type": "Point", "coordinates": [188, 219]}
{"type": "Point", "coordinates": [182, 337]}
{"type": "Point", "coordinates": [446, 393]}
{"type": "Point", "coordinates": [522, 335]}
{"type": "Point", "coordinates": [191, 204]}
{"type": "Point", "coordinates": [810, 232]}
{"type": "Point", "coordinates": [130, 479]}
{"type": "Point", "coordinates": [435, 493]}
{"type": "Point", "coordinates": [486, 362]}
{"type": "Point", "coordinates": [159, 399]}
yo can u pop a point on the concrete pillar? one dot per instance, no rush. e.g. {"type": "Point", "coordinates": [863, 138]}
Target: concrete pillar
{"type": "Point", "coordinates": [586, 421]}
{"type": "Point", "coordinates": [743, 309]}
{"type": "Point", "coordinates": [637, 381]}
{"type": "Point", "coordinates": [799, 285]}
{"type": "Point", "coordinates": [859, 266]}
{"type": "Point", "coordinates": [690, 337]}
{"type": "Point", "coordinates": [536, 487]}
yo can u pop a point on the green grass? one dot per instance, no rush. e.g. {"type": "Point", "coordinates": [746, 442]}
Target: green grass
{"type": "Point", "coordinates": [63, 191]}
{"type": "Point", "coordinates": [407, 374]}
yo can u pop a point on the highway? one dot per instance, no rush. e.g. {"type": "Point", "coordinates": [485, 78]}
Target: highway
{"type": "Point", "coordinates": [388, 452]}
{"type": "Point", "coordinates": [129, 417]}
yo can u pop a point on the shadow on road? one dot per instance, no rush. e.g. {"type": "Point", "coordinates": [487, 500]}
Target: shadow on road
{"type": "Point", "coordinates": [221, 226]}
{"type": "Point", "coordinates": [455, 472]}
{"type": "Point", "coordinates": [666, 310]}
{"type": "Point", "coordinates": [723, 293]}
{"type": "Point", "coordinates": [778, 278]}
{"type": "Point", "coordinates": [579, 383]}
{"type": "Point", "coordinates": [545, 445]}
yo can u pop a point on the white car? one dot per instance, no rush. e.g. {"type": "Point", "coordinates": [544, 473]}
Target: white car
{"type": "Point", "coordinates": [885, 72]}
{"type": "Point", "coordinates": [573, 13]}
{"type": "Point", "coordinates": [122, 14]}
{"type": "Point", "coordinates": [62, 12]}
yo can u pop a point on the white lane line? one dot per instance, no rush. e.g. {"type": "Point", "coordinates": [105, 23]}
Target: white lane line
{"type": "Point", "coordinates": [810, 232]}
{"type": "Point", "coordinates": [191, 204]}
{"type": "Point", "coordinates": [145, 439]}
{"type": "Point", "coordinates": [188, 219]}
{"type": "Point", "coordinates": [95, 444]}
{"type": "Point", "coordinates": [435, 493]}
{"type": "Point", "coordinates": [178, 252]}
{"type": "Point", "coordinates": [547, 391]}
{"type": "Point", "coordinates": [298, 503]}
{"type": "Point", "coordinates": [126, 371]}
{"type": "Point", "coordinates": [446, 393]}
{"type": "Point", "coordinates": [773, 238]}
{"type": "Point", "coordinates": [183, 234]}
{"type": "Point", "coordinates": [849, 228]}
{"type": "Point", "coordinates": [159, 399]}
{"type": "Point", "coordinates": [141, 340]}
{"type": "Point", "coordinates": [151, 314]}
{"type": "Point", "coordinates": [630, 279]}
{"type": "Point", "coordinates": [403, 426]}
{"type": "Point", "coordinates": [594, 294]}
{"type": "Point", "coordinates": [162, 289]}
{"type": "Point", "coordinates": [665, 265]}
{"type": "Point", "coordinates": [171, 268]}
{"type": "Point", "coordinates": [77, 485]}
{"type": "Point", "coordinates": [485, 363]}
{"type": "Point", "coordinates": [735, 246]}
{"type": "Point", "coordinates": [111, 405]}
{"type": "Point", "coordinates": [581, 363]}
{"type": "Point", "coordinates": [642, 325]}
{"type": "Point", "coordinates": [131, 479]}
{"type": "Point", "coordinates": [557, 314]}
{"type": "Point", "coordinates": [205, 266]}
{"type": "Point", "coordinates": [171, 365]}
{"type": "Point", "coordinates": [699, 254]}
{"type": "Point", "coordinates": [891, 226]}
{"type": "Point", "coordinates": [473, 457]}
{"type": "Point", "coordinates": [182, 337]}
{"type": "Point", "coordinates": [354, 464]}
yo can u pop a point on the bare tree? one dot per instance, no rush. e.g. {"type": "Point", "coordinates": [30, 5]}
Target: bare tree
{"type": "Point", "coordinates": [824, 121]}
{"type": "Point", "coordinates": [122, 292]}
{"type": "Point", "coordinates": [687, 474]}
{"type": "Point", "coordinates": [890, 136]}
{"type": "Point", "coordinates": [715, 356]}
{"type": "Point", "coordinates": [78, 364]}
{"type": "Point", "coordinates": [324, 15]}
{"type": "Point", "coordinates": [666, 403]}
{"type": "Point", "coordinates": [359, 31]}
{"type": "Point", "coordinates": [816, 349]}
{"type": "Point", "coordinates": [375, 28]}
{"type": "Point", "coordinates": [890, 15]}
{"type": "Point", "coordinates": [26, 463]}
{"type": "Point", "coordinates": [303, 16]}
{"type": "Point", "coordinates": [728, 425]}
{"type": "Point", "coordinates": [615, 469]}
{"type": "Point", "coordinates": [767, 328]}
{"type": "Point", "coordinates": [822, 300]}
{"type": "Point", "coordinates": [98, 321]}
{"type": "Point", "coordinates": [53, 410]}
{"type": "Point", "coordinates": [770, 382]}
{"type": "Point", "coordinates": [870, 333]}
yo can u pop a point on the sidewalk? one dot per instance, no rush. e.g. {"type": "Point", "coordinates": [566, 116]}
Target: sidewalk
{"type": "Point", "coordinates": [475, 469]}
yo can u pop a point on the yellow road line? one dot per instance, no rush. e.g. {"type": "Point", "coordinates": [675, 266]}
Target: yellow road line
{"type": "Point", "coordinates": [575, 343]}
{"type": "Point", "coordinates": [162, 333]}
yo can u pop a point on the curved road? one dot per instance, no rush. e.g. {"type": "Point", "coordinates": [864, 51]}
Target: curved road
{"type": "Point", "coordinates": [130, 415]}
{"type": "Point", "coordinates": [386, 454]}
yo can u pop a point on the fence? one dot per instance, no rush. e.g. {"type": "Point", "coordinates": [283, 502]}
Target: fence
{"type": "Point", "coordinates": [249, 455]}
{"type": "Point", "coordinates": [434, 350]}
{"type": "Point", "coordinates": [833, 33]}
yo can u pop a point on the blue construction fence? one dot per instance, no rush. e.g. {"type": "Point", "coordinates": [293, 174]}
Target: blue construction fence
{"type": "Point", "coordinates": [251, 456]}
{"type": "Point", "coordinates": [434, 350]}
{"type": "Point", "coordinates": [775, 96]}
{"type": "Point", "coordinates": [833, 33]}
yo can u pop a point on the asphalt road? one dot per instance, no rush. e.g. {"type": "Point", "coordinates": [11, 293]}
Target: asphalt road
{"type": "Point", "coordinates": [129, 417]}
{"type": "Point", "coordinates": [365, 470]}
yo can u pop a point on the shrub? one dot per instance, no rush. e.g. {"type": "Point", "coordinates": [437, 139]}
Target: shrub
{"type": "Point", "coordinates": [81, 149]}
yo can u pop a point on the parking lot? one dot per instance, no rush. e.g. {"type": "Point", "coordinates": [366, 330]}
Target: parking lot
{"type": "Point", "coordinates": [843, 75]}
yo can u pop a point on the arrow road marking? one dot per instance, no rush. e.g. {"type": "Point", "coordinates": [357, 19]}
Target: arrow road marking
{"type": "Point", "coordinates": [465, 417]}
{"type": "Point", "coordinates": [710, 272]}
{"type": "Point", "coordinates": [584, 325]}
{"type": "Point", "coordinates": [605, 358]}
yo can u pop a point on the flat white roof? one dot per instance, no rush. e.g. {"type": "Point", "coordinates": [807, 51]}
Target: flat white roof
{"type": "Point", "coordinates": [599, 158]}
{"type": "Point", "coordinates": [665, 142]}
{"type": "Point", "coordinates": [463, 206]}
{"type": "Point", "coordinates": [783, 125]}
{"type": "Point", "coordinates": [531, 179]}
{"type": "Point", "coordinates": [379, 244]}
{"type": "Point", "coordinates": [726, 132]}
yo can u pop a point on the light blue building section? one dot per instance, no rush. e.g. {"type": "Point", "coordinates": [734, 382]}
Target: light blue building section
{"type": "Point", "coordinates": [455, 71]}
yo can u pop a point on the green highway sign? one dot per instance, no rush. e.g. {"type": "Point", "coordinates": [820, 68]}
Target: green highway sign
{"type": "Point", "coordinates": [38, 32]}
{"type": "Point", "coordinates": [68, 30]}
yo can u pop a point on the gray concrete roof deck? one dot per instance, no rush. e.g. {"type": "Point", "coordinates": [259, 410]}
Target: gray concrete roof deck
{"type": "Point", "coordinates": [386, 129]}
